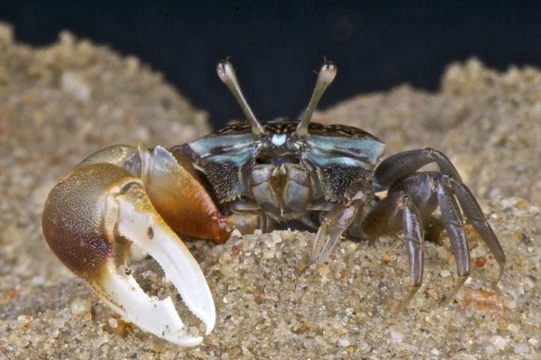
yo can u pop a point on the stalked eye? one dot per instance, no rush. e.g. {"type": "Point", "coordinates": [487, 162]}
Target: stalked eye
{"type": "Point", "coordinates": [227, 75]}
{"type": "Point", "coordinates": [324, 79]}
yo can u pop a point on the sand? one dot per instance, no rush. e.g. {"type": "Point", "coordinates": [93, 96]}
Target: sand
{"type": "Point", "coordinates": [63, 102]}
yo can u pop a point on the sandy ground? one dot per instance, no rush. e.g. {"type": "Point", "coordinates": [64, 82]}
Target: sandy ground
{"type": "Point", "coordinates": [63, 102]}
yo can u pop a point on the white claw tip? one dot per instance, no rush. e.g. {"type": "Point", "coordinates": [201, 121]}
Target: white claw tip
{"type": "Point", "coordinates": [121, 291]}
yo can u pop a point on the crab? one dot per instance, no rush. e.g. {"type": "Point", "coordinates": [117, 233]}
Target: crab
{"type": "Point", "coordinates": [254, 175]}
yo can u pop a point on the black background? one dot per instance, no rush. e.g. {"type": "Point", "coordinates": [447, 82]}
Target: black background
{"type": "Point", "coordinates": [277, 46]}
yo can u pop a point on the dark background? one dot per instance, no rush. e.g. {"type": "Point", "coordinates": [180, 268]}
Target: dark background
{"type": "Point", "coordinates": [277, 46]}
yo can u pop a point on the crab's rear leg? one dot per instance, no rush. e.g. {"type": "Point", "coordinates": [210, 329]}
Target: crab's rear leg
{"type": "Point", "coordinates": [474, 215]}
{"type": "Point", "coordinates": [395, 168]}
{"type": "Point", "coordinates": [431, 189]}
{"type": "Point", "coordinates": [394, 213]}
{"type": "Point", "coordinates": [106, 203]}
{"type": "Point", "coordinates": [406, 162]}
{"type": "Point", "coordinates": [428, 190]}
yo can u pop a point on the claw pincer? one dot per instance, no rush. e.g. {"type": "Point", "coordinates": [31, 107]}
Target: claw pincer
{"type": "Point", "coordinates": [91, 218]}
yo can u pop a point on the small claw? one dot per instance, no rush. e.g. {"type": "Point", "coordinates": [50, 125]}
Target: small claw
{"type": "Point", "coordinates": [89, 220]}
{"type": "Point", "coordinates": [337, 221]}
{"type": "Point", "coordinates": [330, 231]}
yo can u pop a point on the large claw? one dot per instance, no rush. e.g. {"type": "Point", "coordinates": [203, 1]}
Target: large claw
{"type": "Point", "coordinates": [91, 218]}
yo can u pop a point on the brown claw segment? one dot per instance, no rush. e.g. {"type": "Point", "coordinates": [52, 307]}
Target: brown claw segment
{"type": "Point", "coordinates": [180, 198]}
{"type": "Point", "coordinates": [72, 224]}
{"type": "Point", "coordinates": [172, 185]}
{"type": "Point", "coordinates": [90, 219]}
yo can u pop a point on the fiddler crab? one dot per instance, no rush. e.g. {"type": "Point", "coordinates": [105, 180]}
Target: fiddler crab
{"type": "Point", "coordinates": [246, 177]}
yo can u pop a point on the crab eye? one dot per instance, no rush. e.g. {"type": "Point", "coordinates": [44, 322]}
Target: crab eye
{"type": "Point", "coordinates": [227, 75]}
{"type": "Point", "coordinates": [324, 79]}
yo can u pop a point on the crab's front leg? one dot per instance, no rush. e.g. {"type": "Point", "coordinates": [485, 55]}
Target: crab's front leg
{"type": "Point", "coordinates": [339, 219]}
{"type": "Point", "coordinates": [123, 195]}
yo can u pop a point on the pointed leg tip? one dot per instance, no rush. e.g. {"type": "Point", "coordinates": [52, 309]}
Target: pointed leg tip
{"type": "Point", "coordinates": [459, 284]}
{"type": "Point", "coordinates": [497, 281]}
{"type": "Point", "coordinates": [403, 305]}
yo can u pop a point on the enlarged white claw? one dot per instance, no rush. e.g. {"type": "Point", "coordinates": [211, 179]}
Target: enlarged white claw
{"type": "Point", "coordinates": [145, 228]}
{"type": "Point", "coordinates": [89, 221]}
